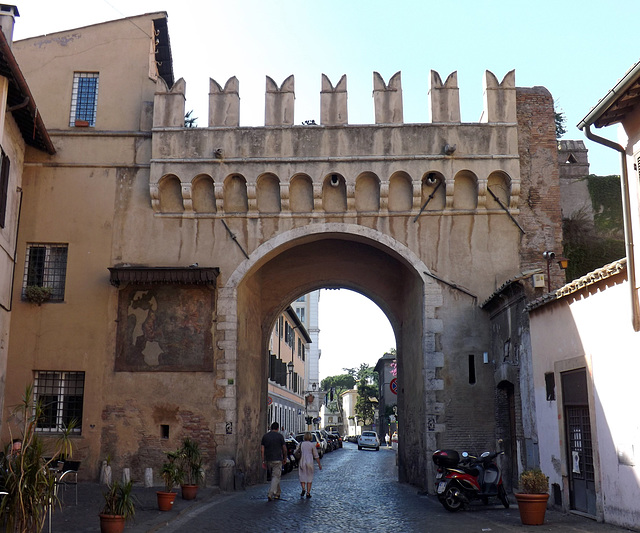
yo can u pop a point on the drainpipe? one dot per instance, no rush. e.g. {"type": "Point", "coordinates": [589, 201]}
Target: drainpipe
{"type": "Point", "coordinates": [628, 230]}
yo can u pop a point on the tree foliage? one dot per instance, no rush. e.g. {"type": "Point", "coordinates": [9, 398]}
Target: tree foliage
{"type": "Point", "coordinates": [561, 121]}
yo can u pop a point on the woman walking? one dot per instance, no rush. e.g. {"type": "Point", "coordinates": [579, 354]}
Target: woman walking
{"type": "Point", "coordinates": [305, 465]}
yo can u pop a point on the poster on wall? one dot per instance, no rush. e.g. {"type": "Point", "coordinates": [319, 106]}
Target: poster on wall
{"type": "Point", "coordinates": [165, 328]}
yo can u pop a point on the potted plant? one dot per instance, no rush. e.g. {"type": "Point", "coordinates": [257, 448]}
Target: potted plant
{"type": "Point", "coordinates": [533, 496]}
{"type": "Point", "coordinates": [28, 472]}
{"type": "Point", "coordinates": [172, 477]}
{"type": "Point", "coordinates": [37, 294]}
{"type": "Point", "coordinates": [119, 506]}
{"type": "Point", "coordinates": [191, 468]}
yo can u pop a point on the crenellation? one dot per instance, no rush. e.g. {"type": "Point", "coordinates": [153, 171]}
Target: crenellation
{"type": "Point", "coordinates": [169, 104]}
{"type": "Point", "coordinates": [445, 98]}
{"type": "Point", "coordinates": [278, 109]}
{"type": "Point", "coordinates": [387, 99]}
{"type": "Point", "coordinates": [333, 102]}
{"type": "Point", "coordinates": [224, 104]}
{"type": "Point", "coordinates": [499, 98]}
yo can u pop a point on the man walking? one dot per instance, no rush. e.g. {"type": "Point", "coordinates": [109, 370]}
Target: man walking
{"type": "Point", "coordinates": [274, 454]}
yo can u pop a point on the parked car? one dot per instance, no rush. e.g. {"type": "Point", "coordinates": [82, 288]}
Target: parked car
{"type": "Point", "coordinates": [336, 442]}
{"type": "Point", "coordinates": [321, 440]}
{"type": "Point", "coordinates": [369, 439]}
{"type": "Point", "coordinates": [331, 445]}
{"type": "Point", "coordinates": [337, 436]}
{"type": "Point", "coordinates": [314, 438]}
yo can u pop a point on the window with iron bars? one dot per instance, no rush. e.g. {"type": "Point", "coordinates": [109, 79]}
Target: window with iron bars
{"type": "Point", "coordinates": [46, 266]}
{"type": "Point", "coordinates": [84, 99]}
{"type": "Point", "coordinates": [60, 395]}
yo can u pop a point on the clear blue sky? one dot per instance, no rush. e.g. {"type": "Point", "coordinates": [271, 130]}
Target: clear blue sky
{"type": "Point", "coordinates": [577, 50]}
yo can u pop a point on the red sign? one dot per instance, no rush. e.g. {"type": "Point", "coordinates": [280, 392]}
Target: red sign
{"type": "Point", "coordinates": [394, 385]}
{"type": "Point", "coordinates": [269, 400]}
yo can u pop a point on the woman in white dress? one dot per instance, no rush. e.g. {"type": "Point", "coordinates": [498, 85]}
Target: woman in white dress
{"type": "Point", "coordinates": [305, 465]}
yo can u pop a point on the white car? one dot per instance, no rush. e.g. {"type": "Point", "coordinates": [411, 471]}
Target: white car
{"type": "Point", "coordinates": [369, 439]}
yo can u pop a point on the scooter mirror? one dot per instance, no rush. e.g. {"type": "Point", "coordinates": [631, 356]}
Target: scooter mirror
{"type": "Point", "coordinates": [465, 454]}
{"type": "Point", "coordinates": [485, 454]}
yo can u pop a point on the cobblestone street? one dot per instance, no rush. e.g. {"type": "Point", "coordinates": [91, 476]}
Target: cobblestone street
{"type": "Point", "coordinates": [358, 491]}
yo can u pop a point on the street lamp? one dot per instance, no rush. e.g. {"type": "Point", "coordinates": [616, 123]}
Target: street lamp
{"type": "Point", "coordinates": [290, 368]}
{"type": "Point", "coordinates": [549, 256]}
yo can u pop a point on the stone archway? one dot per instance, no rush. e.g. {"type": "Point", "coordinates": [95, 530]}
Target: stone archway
{"type": "Point", "coordinates": [329, 255]}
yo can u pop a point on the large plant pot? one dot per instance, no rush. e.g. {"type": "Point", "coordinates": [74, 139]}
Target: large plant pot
{"type": "Point", "coordinates": [189, 492]}
{"type": "Point", "coordinates": [165, 500]}
{"type": "Point", "coordinates": [111, 523]}
{"type": "Point", "coordinates": [532, 508]}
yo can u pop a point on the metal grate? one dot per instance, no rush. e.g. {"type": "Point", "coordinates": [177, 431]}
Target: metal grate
{"type": "Point", "coordinates": [84, 98]}
{"type": "Point", "coordinates": [61, 395]}
{"type": "Point", "coordinates": [46, 266]}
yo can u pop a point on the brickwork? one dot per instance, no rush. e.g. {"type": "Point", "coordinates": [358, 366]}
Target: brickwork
{"type": "Point", "coordinates": [540, 213]}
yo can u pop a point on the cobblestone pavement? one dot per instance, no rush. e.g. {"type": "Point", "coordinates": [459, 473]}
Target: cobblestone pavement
{"type": "Point", "coordinates": [357, 491]}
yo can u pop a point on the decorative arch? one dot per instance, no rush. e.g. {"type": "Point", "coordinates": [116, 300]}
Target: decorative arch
{"type": "Point", "coordinates": [268, 193]}
{"type": "Point", "coordinates": [500, 184]}
{"type": "Point", "coordinates": [170, 194]}
{"type": "Point", "coordinates": [465, 190]}
{"type": "Point", "coordinates": [203, 194]}
{"type": "Point", "coordinates": [367, 192]}
{"type": "Point", "coordinates": [400, 192]}
{"type": "Point", "coordinates": [301, 194]}
{"type": "Point", "coordinates": [235, 194]}
{"type": "Point", "coordinates": [334, 193]}
{"type": "Point", "coordinates": [433, 191]}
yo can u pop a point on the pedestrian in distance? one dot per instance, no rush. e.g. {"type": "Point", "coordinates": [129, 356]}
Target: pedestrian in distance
{"type": "Point", "coordinates": [305, 466]}
{"type": "Point", "coordinates": [273, 451]}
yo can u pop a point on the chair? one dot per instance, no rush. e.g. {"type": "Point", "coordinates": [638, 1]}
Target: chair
{"type": "Point", "coordinates": [68, 477]}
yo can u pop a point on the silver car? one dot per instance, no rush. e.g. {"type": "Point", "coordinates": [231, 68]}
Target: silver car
{"type": "Point", "coordinates": [369, 439]}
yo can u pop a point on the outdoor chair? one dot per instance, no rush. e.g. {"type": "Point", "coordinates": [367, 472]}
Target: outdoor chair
{"type": "Point", "coordinates": [68, 477]}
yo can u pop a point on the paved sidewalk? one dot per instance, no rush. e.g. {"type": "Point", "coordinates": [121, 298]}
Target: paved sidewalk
{"type": "Point", "coordinates": [84, 517]}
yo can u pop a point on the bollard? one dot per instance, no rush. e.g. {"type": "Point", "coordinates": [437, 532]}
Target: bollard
{"type": "Point", "coordinates": [227, 467]}
{"type": "Point", "coordinates": [126, 475]}
{"type": "Point", "coordinates": [148, 477]}
{"type": "Point", "coordinates": [105, 473]}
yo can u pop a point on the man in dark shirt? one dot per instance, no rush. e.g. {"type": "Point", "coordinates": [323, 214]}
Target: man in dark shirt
{"type": "Point", "coordinates": [274, 454]}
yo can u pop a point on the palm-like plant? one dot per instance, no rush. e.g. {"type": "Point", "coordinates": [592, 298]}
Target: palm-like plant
{"type": "Point", "coordinates": [171, 472]}
{"type": "Point", "coordinates": [191, 462]}
{"type": "Point", "coordinates": [119, 501]}
{"type": "Point", "coordinates": [28, 476]}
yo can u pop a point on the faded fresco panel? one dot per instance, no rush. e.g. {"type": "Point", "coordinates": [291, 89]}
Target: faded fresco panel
{"type": "Point", "coordinates": [165, 328]}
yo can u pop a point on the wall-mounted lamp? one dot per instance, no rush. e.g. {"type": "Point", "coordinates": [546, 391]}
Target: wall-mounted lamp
{"type": "Point", "coordinates": [549, 256]}
{"type": "Point", "coordinates": [563, 262]}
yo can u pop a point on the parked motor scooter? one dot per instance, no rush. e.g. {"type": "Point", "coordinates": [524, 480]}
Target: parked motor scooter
{"type": "Point", "coordinates": [459, 481]}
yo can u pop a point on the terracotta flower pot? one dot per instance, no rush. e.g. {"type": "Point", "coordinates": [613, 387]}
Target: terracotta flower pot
{"type": "Point", "coordinates": [165, 500]}
{"type": "Point", "coordinates": [189, 492]}
{"type": "Point", "coordinates": [111, 523]}
{"type": "Point", "coordinates": [532, 508]}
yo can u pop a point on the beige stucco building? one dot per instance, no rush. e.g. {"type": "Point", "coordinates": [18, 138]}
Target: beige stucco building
{"type": "Point", "coordinates": [183, 245]}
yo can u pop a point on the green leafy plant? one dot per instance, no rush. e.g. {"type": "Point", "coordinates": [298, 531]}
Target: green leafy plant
{"type": "Point", "coordinates": [38, 295]}
{"type": "Point", "coordinates": [533, 482]}
{"type": "Point", "coordinates": [28, 476]}
{"type": "Point", "coordinates": [119, 500]}
{"type": "Point", "coordinates": [171, 473]}
{"type": "Point", "coordinates": [191, 462]}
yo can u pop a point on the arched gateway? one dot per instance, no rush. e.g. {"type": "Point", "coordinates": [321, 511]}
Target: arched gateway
{"type": "Point", "coordinates": [207, 233]}
{"type": "Point", "coordinates": [332, 255]}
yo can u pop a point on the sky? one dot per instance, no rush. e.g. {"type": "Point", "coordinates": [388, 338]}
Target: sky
{"type": "Point", "coordinates": [578, 50]}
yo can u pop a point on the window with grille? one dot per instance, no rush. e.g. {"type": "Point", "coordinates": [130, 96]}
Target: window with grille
{"type": "Point", "coordinates": [4, 186]}
{"type": "Point", "coordinates": [84, 99]}
{"type": "Point", "coordinates": [60, 394]}
{"type": "Point", "coordinates": [46, 266]}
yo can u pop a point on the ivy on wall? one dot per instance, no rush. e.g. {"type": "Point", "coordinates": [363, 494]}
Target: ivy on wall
{"type": "Point", "coordinates": [591, 246]}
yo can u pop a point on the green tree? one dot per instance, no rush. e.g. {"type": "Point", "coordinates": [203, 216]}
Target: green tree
{"type": "Point", "coordinates": [561, 121]}
{"type": "Point", "coordinates": [367, 400]}
{"type": "Point", "coordinates": [334, 387]}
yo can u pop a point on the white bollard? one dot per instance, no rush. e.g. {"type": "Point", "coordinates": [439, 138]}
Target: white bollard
{"type": "Point", "coordinates": [148, 477]}
{"type": "Point", "coordinates": [126, 475]}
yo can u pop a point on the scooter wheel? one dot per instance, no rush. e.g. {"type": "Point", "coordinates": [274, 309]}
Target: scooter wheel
{"type": "Point", "coordinates": [450, 500]}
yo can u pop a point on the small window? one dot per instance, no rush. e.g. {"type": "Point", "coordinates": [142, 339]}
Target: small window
{"type": "Point", "coordinates": [46, 266]}
{"type": "Point", "coordinates": [550, 383]}
{"type": "Point", "coordinates": [472, 369]}
{"type": "Point", "coordinates": [84, 99]}
{"type": "Point", "coordinates": [4, 187]}
{"type": "Point", "coordinates": [61, 395]}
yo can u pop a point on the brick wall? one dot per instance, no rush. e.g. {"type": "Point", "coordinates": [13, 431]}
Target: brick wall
{"type": "Point", "coordinates": [540, 209]}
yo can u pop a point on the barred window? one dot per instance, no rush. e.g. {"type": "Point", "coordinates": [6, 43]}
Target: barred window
{"type": "Point", "coordinates": [61, 395]}
{"type": "Point", "coordinates": [46, 266]}
{"type": "Point", "coordinates": [84, 99]}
